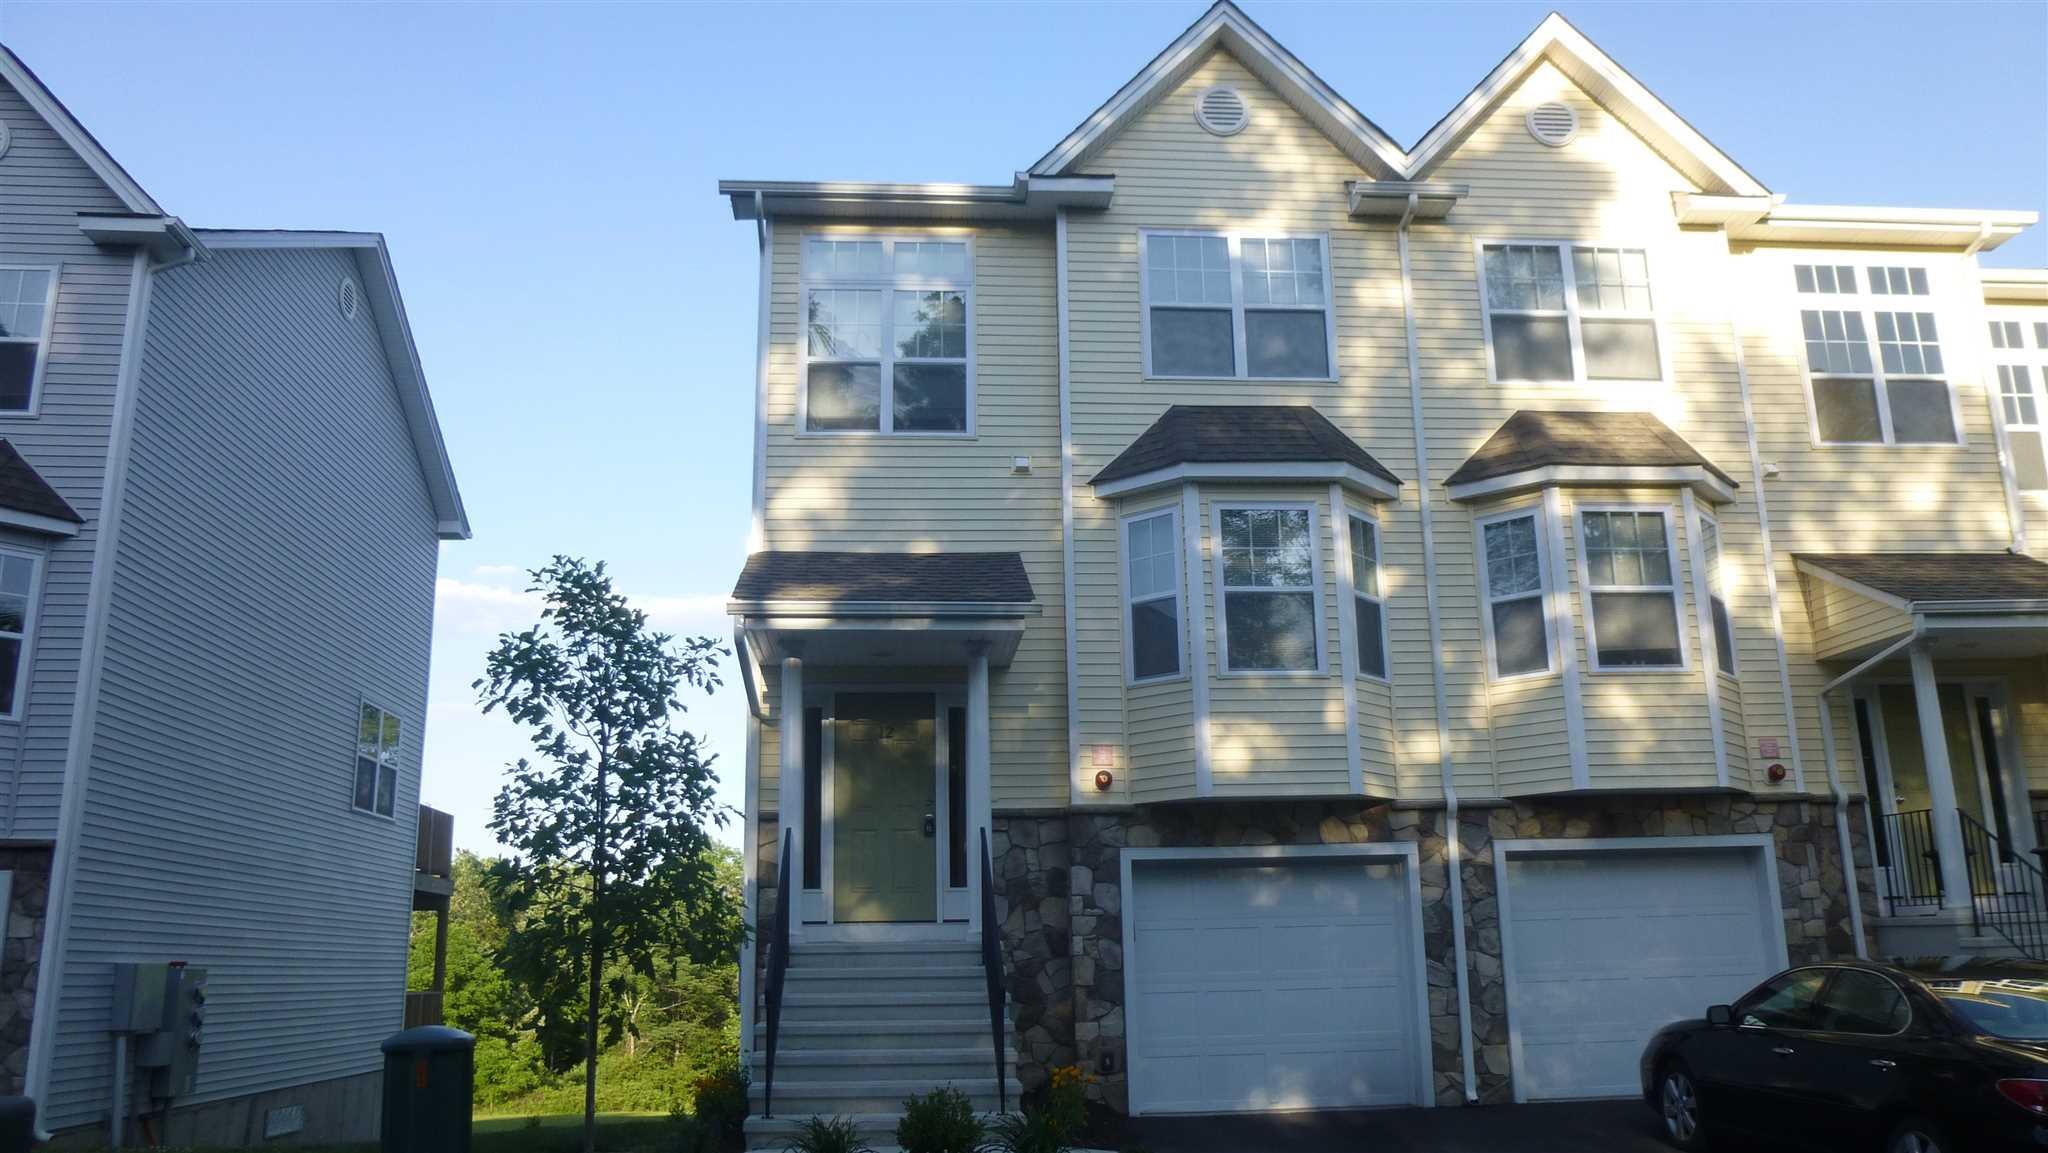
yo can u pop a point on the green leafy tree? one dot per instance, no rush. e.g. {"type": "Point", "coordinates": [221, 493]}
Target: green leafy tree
{"type": "Point", "coordinates": [608, 818]}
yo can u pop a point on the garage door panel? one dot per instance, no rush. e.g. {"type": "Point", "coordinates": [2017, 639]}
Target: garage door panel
{"type": "Point", "coordinates": [1607, 947]}
{"type": "Point", "coordinates": [1271, 986]}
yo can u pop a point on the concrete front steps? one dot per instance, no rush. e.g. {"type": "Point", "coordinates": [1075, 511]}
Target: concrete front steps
{"type": "Point", "coordinates": [865, 1026]}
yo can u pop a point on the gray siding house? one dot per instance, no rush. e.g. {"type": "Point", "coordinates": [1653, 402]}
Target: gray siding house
{"type": "Point", "coordinates": [222, 496]}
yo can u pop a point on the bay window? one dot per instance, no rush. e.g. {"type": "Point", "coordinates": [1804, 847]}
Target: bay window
{"type": "Point", "coordinates": [1896, 393]}
{"type": "Point", "coordinates": [1630, 589]}
{"type": "Point", "coordinates": [1562, 312]}
{"type": "Point", "coordinates": [1152, 614]}
{"type": "Point", "coordinates": [1514, 595]}
{"type": "Point", "coordinates": [886, 345]}
{"type": "Point", "coordinates": [1253, 307]}
{"type": "Point", "coordinates": [1724, 627]}
{"type": "Point", "coordinates": [1368, 606]}
{"type": "Point", "coordinates": [1268, 588]}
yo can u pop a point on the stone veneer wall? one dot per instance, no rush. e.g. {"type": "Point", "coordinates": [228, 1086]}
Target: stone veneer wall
{"type": "Point", "coordinates": [1058, 885]}
{"type": "Point", "coordinates": [20, 956]}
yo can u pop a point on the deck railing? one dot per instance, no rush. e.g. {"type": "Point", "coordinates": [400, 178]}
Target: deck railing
{"type": "Point", "coordinates": [434, 851]}
{"type": "Point", "coordinates": [422, 1008]}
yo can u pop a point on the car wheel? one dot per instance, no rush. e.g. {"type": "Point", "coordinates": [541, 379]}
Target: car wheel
{"type": "Point", "coordinates": [1918, 1135]}
{"type": "Point", "coordinates": [1678, 1102]}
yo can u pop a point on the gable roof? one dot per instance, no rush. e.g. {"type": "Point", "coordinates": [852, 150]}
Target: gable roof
{"type": "Point", "coordinates": [1225, 26]}
{"type": "Point", "coordinates": [1240, 434]}
{"type": "Point", "coordinates": [28, 501]}
{"type": "Point", "coordinates": [877, 578]}
{"type": "Point", "coordinates": [46, 105]}
{"type": "Point", "coordinates": [380, 291]}
{"type": "Point", "coordinates": [1535, 447]}
{"type": "Point", "coordinates": [1610, 85]}
{"type": "Point", "coordinates": [1918, 579]}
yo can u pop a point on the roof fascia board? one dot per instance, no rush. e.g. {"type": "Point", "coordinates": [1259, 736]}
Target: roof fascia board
{"type": "Point", "coordinates": [1225, 26]}
{"type": "Point", "coordinates": [45, 104]}
{"type": "Point", "coordinates": [165, 237]}
{"type": "Point", "coordinates": [1832, 577]}
{"type": "Point", "coordinates": [1967, 614]}
{"type": "Point", "coordinates": [1700, 479]}
{"type": "Point", "coordinates": [1026, 197]}
{"type": "Point", "coordinates": [32, 522]}
{"type": "Point", "coordinates": [1580, 59]}
{"type": "Point", "coordinates": [754, 611]}
{"type": "Point", "coordinates": [381, 281]}
{"type": "Point", "coordinates": [1351, 476]}
{"type": "Point", "coordinates": [1390, 199]}
{"type": "Point", "coordinates": [1980, 229]}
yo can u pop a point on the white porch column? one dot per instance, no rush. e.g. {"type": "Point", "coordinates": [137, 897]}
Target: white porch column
{"type": "Point", "coordinates": [1941, 785]}
{"type": "Point", "coordinates": [977, 771]}
{"type": "Point", "coordinates": [789, 785]}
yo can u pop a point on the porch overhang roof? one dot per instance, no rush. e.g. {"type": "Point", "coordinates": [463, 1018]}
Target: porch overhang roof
{"type": "Point", "coordinates": [1976, 604]}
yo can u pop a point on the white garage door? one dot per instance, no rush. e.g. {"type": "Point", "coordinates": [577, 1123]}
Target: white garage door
{"type": "Point", "coordinates": [1280, 984]}
{"type": "Point", "coordinates": [1604, 948]}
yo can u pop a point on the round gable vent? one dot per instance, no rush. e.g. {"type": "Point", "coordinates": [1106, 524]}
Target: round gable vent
{"type": "Point", "coordinates": [1554, 124]}
{"type": "Point", "coordinates": [346, 298]}
{"type": "Point", "coordinates": [1221, 111]}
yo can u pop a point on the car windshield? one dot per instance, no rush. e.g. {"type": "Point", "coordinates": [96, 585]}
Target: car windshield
{"type": "Point", "coordinates": [2003, 1007]}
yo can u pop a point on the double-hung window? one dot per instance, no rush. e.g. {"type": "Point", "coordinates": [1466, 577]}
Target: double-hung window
{"type": "Point", "coordinates": [1565, 312]}
{"type": "Point", "coordinates": [1253, 307]}
{"type": "Point", "coordinates": [1894, 393]}
{"type": "Point", "coordinates": [1268, 588]}
{"type": "Point", "coordinates": [27, 300]}
{"type": "Point", "coordinates": [1517, 616]}
{"type": "Point", "coordinates": [17, 613]}
{"type": "Point", "coordinates": [1368, 606]}
{"type": "Point", "coordinates": [376, 761]}
{"type": "Point", "coordinates": [2019, 403]}
{"type": "Point", "coordinates": [1631, 589]}
{"type": "Point", "coordinates": [1724, 627]}
{"type": "Point", "coordinates": [886, 335]}
{"type": "Point", "coordinates": [1152, 596]}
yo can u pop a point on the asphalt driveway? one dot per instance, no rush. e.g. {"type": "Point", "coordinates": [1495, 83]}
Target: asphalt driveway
{"type": "Point", "coordinates": [1567, 1127]}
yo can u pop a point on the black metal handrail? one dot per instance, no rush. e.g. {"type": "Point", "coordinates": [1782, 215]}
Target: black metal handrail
{"type": "Point", "coordinates": [992, 963]}
{"type": "Point", "coordinates": [1908, 856]}
{"type": "Point", "coordinates": [778, 968]}
{"type": "Point", "coordinates": [2012, 897]}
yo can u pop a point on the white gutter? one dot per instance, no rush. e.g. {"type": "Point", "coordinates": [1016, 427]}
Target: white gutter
{"type": "Point", "coordinates": [1067, 513]}
{"type": "Point", "coordinates": [1452, 854]}
{"type": "Point", "coordinates": [1827, 738]}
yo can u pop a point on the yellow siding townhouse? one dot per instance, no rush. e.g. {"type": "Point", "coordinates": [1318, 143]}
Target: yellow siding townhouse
{"type": "Point", "coordinates": [1314, 623]}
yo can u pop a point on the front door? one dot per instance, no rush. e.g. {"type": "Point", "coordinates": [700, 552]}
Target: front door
{"type": "Point", "coordinates": [884, 750]}
{"type": "Point", "coordinates": [1972, 729]}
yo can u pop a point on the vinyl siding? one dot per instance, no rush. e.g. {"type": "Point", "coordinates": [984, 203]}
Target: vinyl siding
{"type": "Point", "coordinates": [265, 583]}
{"type": "Point", "coordinates": [43, 188]}
{"type": "Point", "coordinates": [947, 493]}
{"type": "Point", "coordinates": [1845, 623]}
{"type": "Point", "coordinates": [1269, 736]}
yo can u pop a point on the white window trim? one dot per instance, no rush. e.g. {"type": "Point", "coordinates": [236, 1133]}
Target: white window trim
{"type": "Point", "coordinates": [1711, 583]}
{"type": "Point", "coordinates": [1572, 310]}
{"type": "Point", "coordinates": [42, 343]}
{"type": "Point", "coordinates": [26, 669]}
{"type": "Point", "coordinates": [355, 753]}
{"type": "Point", "coordinates": [1863, 302]}
{"type": "Point", "coordinates": [1379, 574]}
{"type": "Point", "coordinates": [1542, 594]}
{"type": "Point", "coordinates": [1178, 595]}
{"type": "Point", "coordinates": [1315, 561]}
{"type": "Point", "coordinates": [888, 285]}
{"type": "Point", "coordinates": [1233, 239]}
{"type": "Point", "coordinates": [1586, 590]}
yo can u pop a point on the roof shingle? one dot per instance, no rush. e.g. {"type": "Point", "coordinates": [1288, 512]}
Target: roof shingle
{"type": "Point", "coordinates": [1240, 434]}
{"type": "Point", "coordinates": [1925, 577]}
{"type": "Point", "coordinates": [1533, 439]}
{"type": "Point", "coordinates": [23, 489]}
{"type": "Point", "coordinates": [857, 577]}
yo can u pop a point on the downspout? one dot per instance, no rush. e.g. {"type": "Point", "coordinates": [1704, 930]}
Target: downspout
{"type": "Point", "coordinates": [764, 237]}
{"type": "Point", "coordinates": [1827, 740]}
{"type": "Point", "coordinates": [1453, 856]}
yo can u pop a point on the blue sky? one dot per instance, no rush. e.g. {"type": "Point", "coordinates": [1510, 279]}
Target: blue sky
{"type": "Point", "coordinates": [585, 304]}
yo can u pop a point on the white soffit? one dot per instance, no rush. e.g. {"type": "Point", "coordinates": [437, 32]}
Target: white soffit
{"type": "Point", "coordinates": [2016, 285]}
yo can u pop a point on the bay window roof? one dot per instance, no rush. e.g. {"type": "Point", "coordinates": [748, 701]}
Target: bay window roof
{"type": "Point", "coordinates": [27, 501]}
{"type": "Point", "coordinates": [1250, 442]}
{"type": "Point", "coordinates": [1535, 448]}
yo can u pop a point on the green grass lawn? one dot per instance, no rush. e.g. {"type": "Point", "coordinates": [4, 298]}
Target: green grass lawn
{"type": "Point", "coordinates": [616, 1133]}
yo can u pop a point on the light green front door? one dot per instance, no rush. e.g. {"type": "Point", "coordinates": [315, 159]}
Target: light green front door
{"type": "Point", "coordinates": [884, 765]}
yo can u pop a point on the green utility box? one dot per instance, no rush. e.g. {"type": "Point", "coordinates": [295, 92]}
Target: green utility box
{"type": "Point", "coordinates": [429, 1081]}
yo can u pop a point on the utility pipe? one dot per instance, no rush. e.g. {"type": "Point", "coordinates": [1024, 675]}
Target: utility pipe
{"type": "Point", "coordinates": [1827, 741]}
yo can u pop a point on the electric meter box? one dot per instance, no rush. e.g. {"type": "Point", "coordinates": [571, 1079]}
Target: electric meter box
{"type": "Point", "coordinates": [139, 997]}
{"type": "Point", "coordinates": [172, 1052]}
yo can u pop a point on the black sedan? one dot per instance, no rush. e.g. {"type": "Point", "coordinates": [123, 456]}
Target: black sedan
{"type": "Point", "coordinates": [1942, 1056]}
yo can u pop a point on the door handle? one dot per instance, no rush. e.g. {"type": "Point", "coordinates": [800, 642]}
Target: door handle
{"type": "Point", "coordinates": [1782, 1050]}
{"type": "Point", "coordinates": [1881, 1063]}
{"type": "Point", "coordinates": [931, 825]}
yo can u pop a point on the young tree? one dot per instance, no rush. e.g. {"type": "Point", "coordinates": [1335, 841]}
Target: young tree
{"type": "Point", "coordinates": [608, 818]}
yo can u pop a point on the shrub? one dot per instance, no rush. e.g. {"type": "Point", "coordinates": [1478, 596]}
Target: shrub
{"type": "Point", "coordinates": [837, 1135]}
{"type": "Point", "coordinates": [1032, 1131]}
{"type": "Point", "coordinates": [941, 1121]}
{"type": "Point", "coordinates": [1066, 1101]}
{"type": "Point", "coordinates": [721, 1108]}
